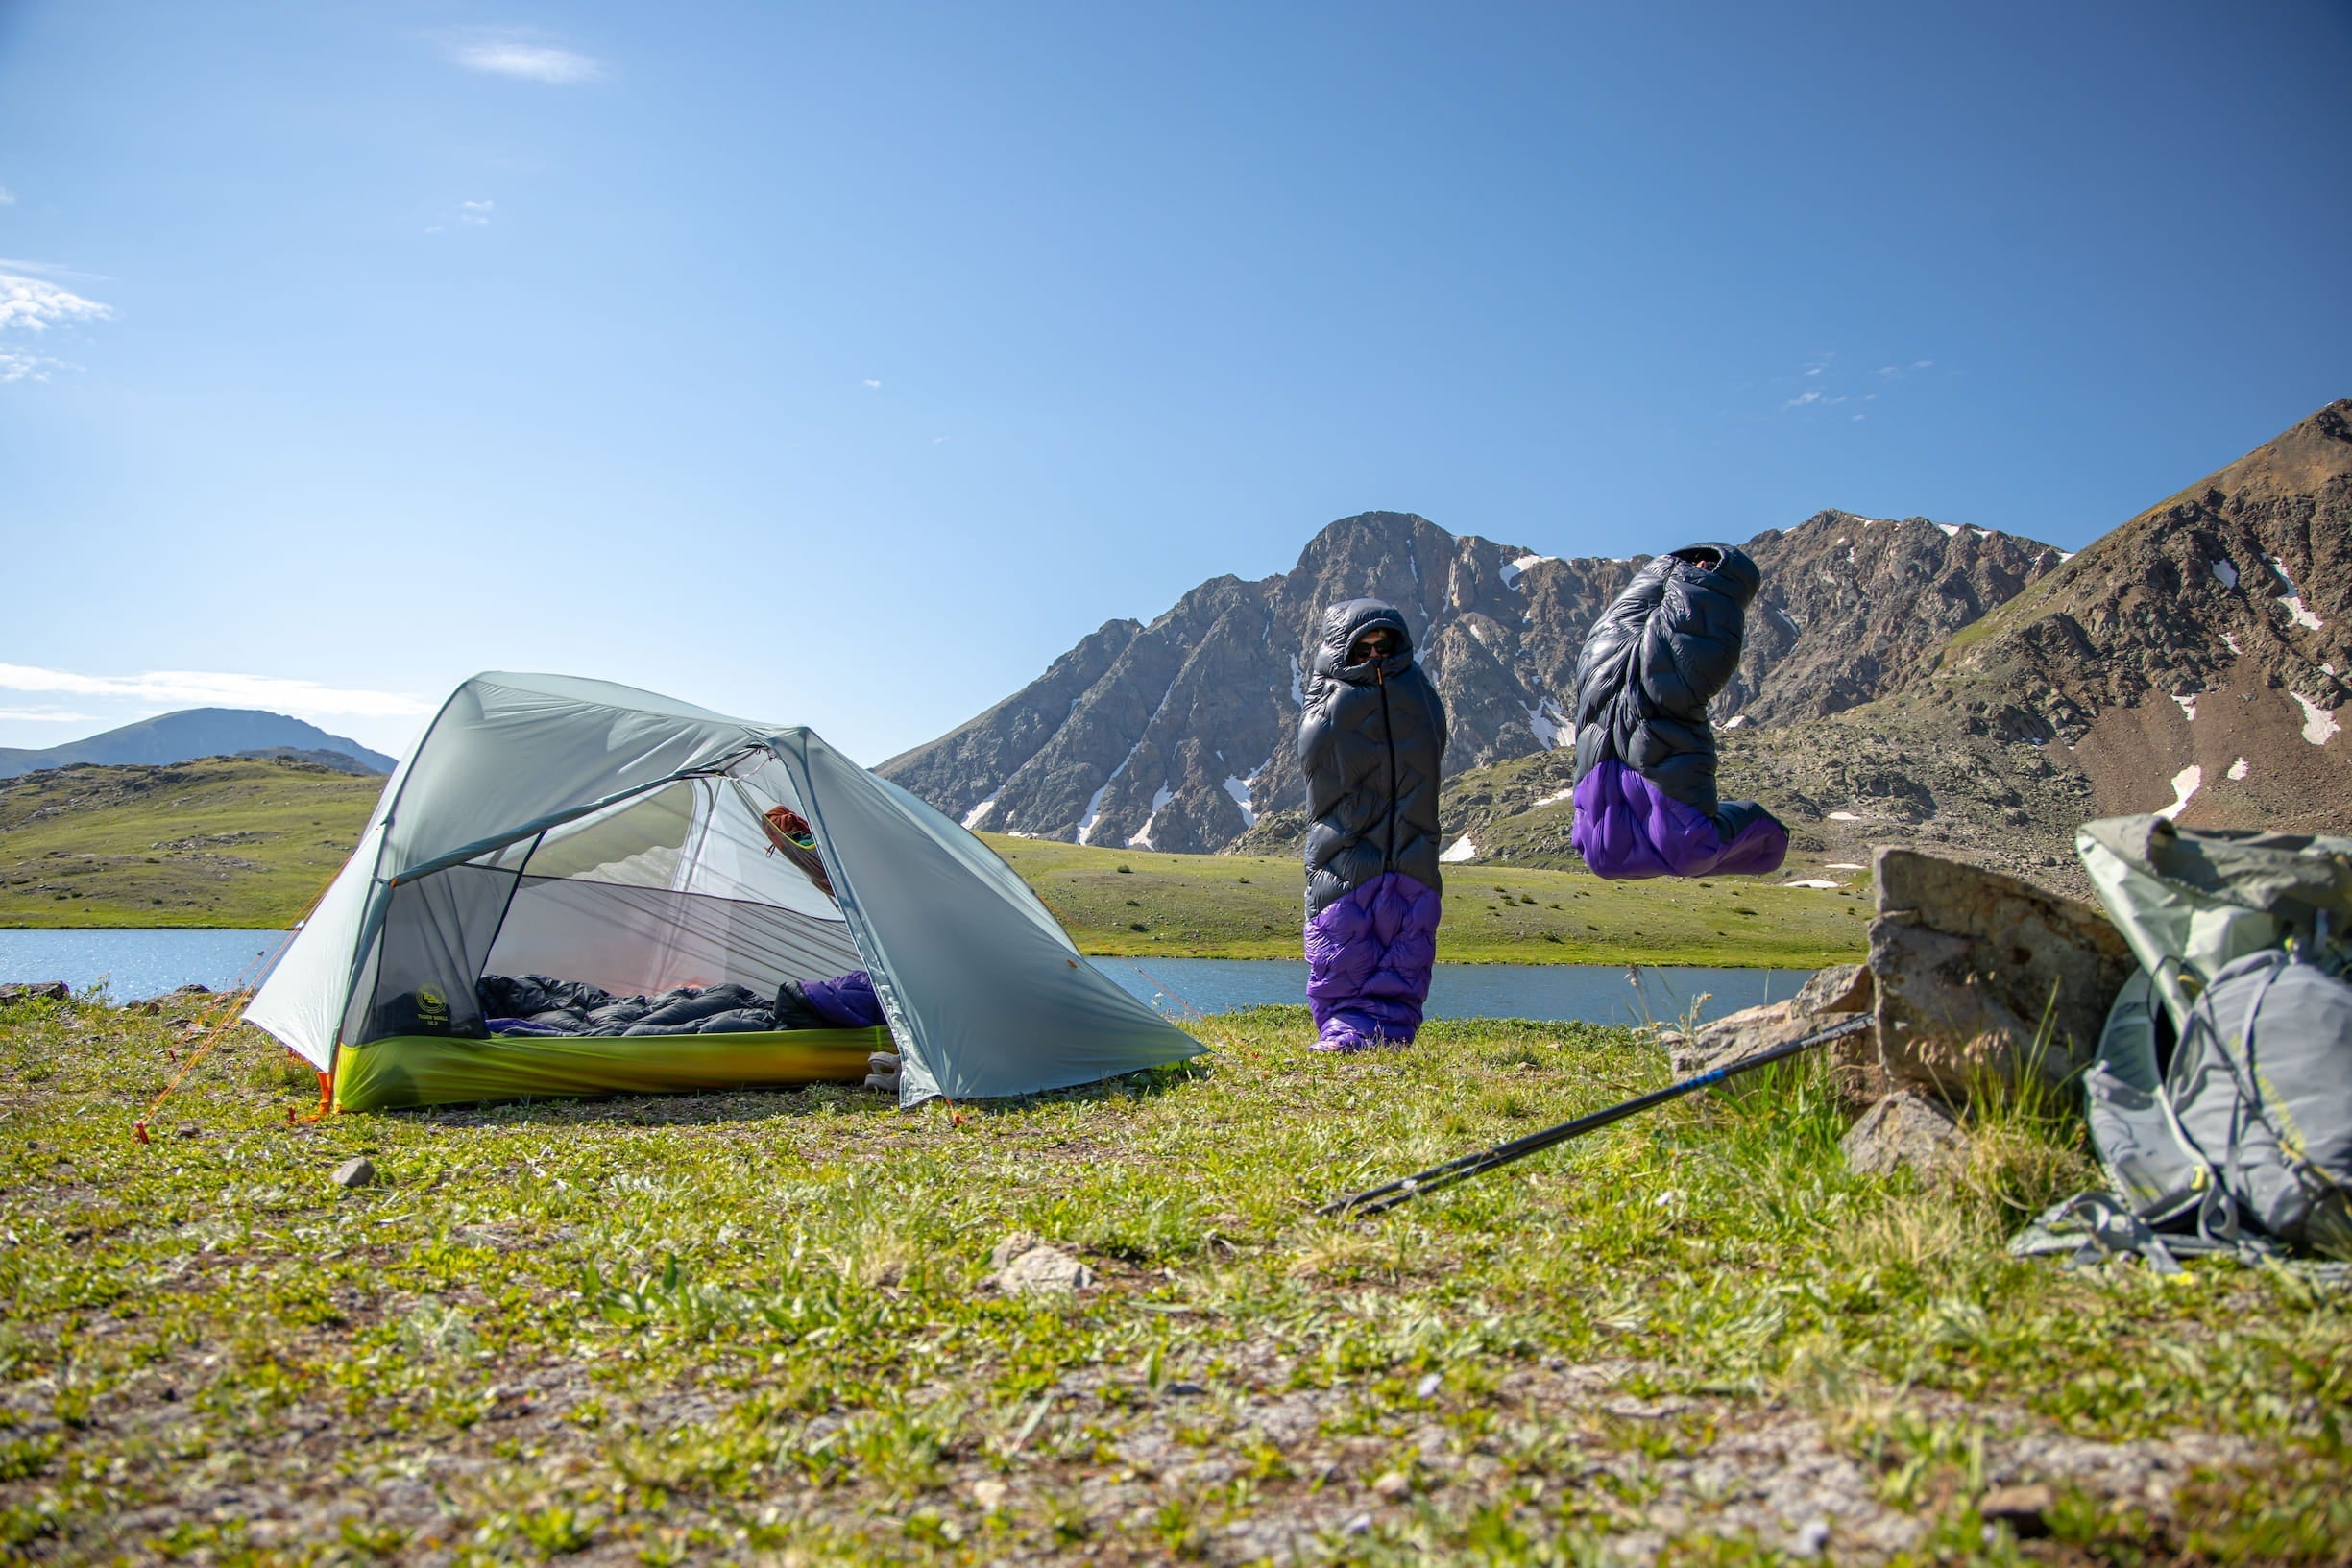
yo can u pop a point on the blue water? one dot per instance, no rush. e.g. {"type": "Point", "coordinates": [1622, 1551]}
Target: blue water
{"type": "Point", "coordinates": [1554, 993]}
{"type": "Point", "coordinates": [135, 964]}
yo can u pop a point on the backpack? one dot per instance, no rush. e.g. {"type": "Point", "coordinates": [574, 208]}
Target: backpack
{"type": "Point", "coordinates": [2219, 1099]}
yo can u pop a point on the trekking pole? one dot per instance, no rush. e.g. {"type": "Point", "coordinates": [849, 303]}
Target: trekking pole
{"type": "Point", "coordinates": [1380, 1199]}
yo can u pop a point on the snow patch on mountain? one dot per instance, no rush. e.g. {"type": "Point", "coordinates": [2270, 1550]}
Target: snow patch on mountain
{"type": "Point", "coordinates": [1514, 569]}
{"type": "Point", "coordinates": [2185, 783]}
{"type": "Point", "coordinates": [1546, 722]}
{"type": "Point", "coordinates": [2319, 724]}
{"type": "Point", "coordinates": [1239, 788]}
{"type": "Point", "coordinates": [979, 813]}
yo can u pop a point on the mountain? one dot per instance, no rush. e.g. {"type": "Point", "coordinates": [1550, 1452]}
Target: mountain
{"type": "Point", "coordinates": [1178, 734]}
{"type": "Point", "coordinates": [200, 732]}
{"type": "Point", "coordinates": [1904, 681]}
{"type": "Point", "coordinates": [2197, 657]}
{"type": "Point", "coordinates": [2190, 661]}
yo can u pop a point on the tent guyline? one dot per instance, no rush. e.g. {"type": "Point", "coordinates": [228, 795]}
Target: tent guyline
{"type": "Point", "coordinates": [573, 887]}
{"type": "Point", "coordinates": [220, 1016]}
{"type": "Point", "coordinates": [1382, 1198]}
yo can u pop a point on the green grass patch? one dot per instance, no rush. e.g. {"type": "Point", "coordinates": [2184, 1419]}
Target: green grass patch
{"type": "Point", "coordinates": [228, 843]}
{"type": "Point", "coordinates": [221, 842]}
{"type": "Point", "coordinates": [749, 1326]}
{"type": "Point", "coordinates": [1248, 907]}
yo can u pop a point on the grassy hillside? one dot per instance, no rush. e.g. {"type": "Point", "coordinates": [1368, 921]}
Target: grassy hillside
{"type": "Point", "coordinates": [757, 1328]}
{"type": "Point", "coordinates": [219, 842]}
{"type": "Point", "coordinates": [249, 842]}
{"type": "Point", "coordinates": [1245, 907]}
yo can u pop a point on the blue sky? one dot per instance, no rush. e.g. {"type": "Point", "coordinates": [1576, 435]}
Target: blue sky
{"type": "Point", "coordinates": [843, 365]}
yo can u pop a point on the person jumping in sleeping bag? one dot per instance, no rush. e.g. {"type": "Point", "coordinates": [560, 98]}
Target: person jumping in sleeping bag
{"type": "Point", "coordinates": [1645, 754]}
{"type": "Point", "coordinates": [1369, 740]}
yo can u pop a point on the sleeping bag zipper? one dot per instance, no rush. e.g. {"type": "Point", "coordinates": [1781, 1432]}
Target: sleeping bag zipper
{"type": "Point", "coordinates": [1388, 733]}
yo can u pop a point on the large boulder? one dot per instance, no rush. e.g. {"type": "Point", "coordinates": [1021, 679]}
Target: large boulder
{"type": "Point", "coordinates": [1985, 981]}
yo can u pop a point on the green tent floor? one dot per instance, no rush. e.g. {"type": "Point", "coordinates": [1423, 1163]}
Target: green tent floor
{"type": "Point", "coordinates": [423, 1069]}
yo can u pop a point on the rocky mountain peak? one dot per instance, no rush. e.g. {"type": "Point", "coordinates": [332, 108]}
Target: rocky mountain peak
{"type": "Point", "coordinates": [1177, 735]}
{"type": "Point", "coordinates": [2200, 650]}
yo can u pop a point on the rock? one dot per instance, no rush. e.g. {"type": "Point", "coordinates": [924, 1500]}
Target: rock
{"type": "Point", "coordinates": [1392, 1486]}
{"type": "Point", "coordinates": [1429, 1387]}
{"type": "Point", "coordinates": [1811, 1538]}
{"type": "Point", "coordinates": [354, 1172]}
{"type": "Point", "coordinates": [1024, 1265]}
{"type": "Point", "coordinates": [990, 1493]}
{"type": "Point", "coordinates": [188, 1129]}
{"type": "Point", "coordinates": [1185, 1390]}
{"type": "Point", "coordinates": [1840, 988]}
{"type": "Point", "coordinates": [1967, 964]}
{"type": "Point", "coordinates": [35, 991]}
{"type": "Point", "coordinates": [1905, 1129]}
{"type": "Point", "coordinates": [2024, 1509]}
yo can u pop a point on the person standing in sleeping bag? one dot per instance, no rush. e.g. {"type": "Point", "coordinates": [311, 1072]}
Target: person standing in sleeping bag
{"type": "Point", "coordinates": [1645, 753]}
{"type": "Point", "coordinates": [1369, 740]}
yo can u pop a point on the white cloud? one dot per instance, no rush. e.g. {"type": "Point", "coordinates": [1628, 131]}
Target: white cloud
{"type": "Point", "coordinates": [8, 197]}
{"type": "Point", "coordinates": [870, 384]}
{"type": "Point", "coordinates": [47, 716]}
{"type": "Point", "coordinates": [1801, 399]}
{"type": "Point", "coordinates": [522, 56]}
{"type": "Point", "coordinates": [475, 212]}
{"type": "Point", "coordinates": [206, 689]}
{"type": "Point", "coordinates": [15, 365]}
{"type": "Point", "coordinates": [37, 305]}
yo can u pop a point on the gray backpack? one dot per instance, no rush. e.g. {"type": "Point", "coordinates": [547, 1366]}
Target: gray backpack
{"type": "Point", "coordinates": [2240, 1137]}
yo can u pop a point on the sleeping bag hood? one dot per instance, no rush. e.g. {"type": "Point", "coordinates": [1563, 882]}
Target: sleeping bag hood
{"type": "Point", "coordinates": [1645, 753]}
{"type": "Point", "coordinates": [1371, 740]}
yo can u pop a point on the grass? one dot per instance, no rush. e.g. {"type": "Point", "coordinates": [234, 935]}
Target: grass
{"type": "Point", "coordinates": [754, 1327]}
{"type": "Point", "coordinates": [228, 843]}
{"type": "Point", "coordinates": [1243, 906]}
{"type": "Point", "coordinates": [220, 842]}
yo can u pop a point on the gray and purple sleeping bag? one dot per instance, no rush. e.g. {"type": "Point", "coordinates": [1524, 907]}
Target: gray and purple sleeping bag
{"type": "Point", "coordinates": [1369, 741]}
{"type": "Point", "coordinates": [1645, 753]}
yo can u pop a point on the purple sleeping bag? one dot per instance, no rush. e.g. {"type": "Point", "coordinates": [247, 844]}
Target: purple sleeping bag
{"type": "Point", "coordinates": [847, 1002]}
{"type": "Point", "coordinates": [1645, 753]}
{"type": "Point", "coordinates": [1369, 740]}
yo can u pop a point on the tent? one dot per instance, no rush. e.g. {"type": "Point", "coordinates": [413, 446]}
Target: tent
{"type": "Point", "coordinates": [590, 831]}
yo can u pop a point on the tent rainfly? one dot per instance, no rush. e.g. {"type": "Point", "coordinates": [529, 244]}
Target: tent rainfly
{"type": "Point", "coordinates": [589, 832]}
